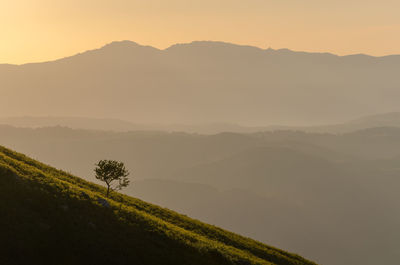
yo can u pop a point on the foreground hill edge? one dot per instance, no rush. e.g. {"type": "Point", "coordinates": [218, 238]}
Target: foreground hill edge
{"type": "Point", "coordinates": [196, 235]}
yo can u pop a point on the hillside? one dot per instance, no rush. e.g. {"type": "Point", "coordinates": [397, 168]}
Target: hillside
{"type": "Point", "coordinates": [238, 84]}
{"type": "Point", "coordinates": [331, 188]}
{"type": "Point", "coordinates": [49, 216]}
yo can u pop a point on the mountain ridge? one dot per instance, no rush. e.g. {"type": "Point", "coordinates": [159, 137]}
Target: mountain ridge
{"type": "Point", "coordinates": [389, 119]}
{"type": "Point", "coordinates": [238, 84]}
{"type": "Point", "coordinates": [127, 44]}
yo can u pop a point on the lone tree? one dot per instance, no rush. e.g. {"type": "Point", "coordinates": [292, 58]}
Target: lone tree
{"type": "Point", "coordinates": [109, 171]}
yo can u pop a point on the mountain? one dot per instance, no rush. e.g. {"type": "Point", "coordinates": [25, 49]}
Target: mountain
{"type": "Point", "coordinates": [372, 143]}
{"type": "Point", "coordinates": [270, 170]}
{"type": "Point", "coordinates": [71, 122]}
{"type": "Point", "coordinates": [122, 125]}
{"type": "Point", "coordinates": [390, 119]}
{"type": "Point", "coordinates": [148, 152]}
{"type": "Point", "coordinates": [49, 216]}
{"type": "Point", "coordinates": [237, 84]}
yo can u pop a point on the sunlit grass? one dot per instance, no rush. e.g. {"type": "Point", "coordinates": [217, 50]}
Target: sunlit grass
{"type": "Point", "coordinates": [59, 207]}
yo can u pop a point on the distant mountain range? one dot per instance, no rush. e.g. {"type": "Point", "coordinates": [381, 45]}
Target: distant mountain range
{"type": "Point", "coordinates": [203, 82]}
{"type": "Point", "coordinates": [391, 119]}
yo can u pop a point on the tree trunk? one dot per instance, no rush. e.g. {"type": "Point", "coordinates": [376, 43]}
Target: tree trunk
{"type": "Point", "coordinates": [108, 190]}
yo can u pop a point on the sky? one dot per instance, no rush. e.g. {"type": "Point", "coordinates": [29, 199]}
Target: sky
{"type": "Point", "coordinates": [42, 30]}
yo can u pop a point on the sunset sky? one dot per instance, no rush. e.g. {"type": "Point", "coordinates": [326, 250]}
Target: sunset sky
{"type": "Point", "coordinates": [40, 30]}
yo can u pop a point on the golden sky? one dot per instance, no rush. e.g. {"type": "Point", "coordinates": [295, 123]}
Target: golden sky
{"type": "Point", "coordinates": [40, 30]}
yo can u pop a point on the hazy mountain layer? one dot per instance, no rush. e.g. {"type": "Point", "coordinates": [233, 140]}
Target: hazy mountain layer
{"type": "Point", "coordinates": [203, 82]}
{"type": "Point", "coordinates": [391, 119]}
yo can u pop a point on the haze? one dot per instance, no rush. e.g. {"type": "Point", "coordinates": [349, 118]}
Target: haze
{"type": "Point", "coordinates": [41, 30]}
{"type": "Point", "coordinates": [203, 82]}
{"type": "Point", "coordinates": [275, 120]}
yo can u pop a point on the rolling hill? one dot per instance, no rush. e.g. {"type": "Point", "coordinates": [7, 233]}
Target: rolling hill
{"type": "Point", "coordinates": [269, 170]}
{"type": "Point", "coordinates": [123, 126]}
{"type": "Point", "coordinates": [389, 119]}
{"type": "Point", "coordinates": [52, 217]}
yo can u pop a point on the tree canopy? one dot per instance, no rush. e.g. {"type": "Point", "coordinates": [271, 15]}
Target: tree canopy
{"type": "Point", "coordinates": [110, 171]}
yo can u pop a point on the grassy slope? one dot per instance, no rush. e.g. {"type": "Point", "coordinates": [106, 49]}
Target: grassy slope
{"type": "Point", "coordinates": [52, 217]}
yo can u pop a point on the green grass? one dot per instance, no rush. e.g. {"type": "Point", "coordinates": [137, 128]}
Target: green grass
{"type": "Point", "coordinates": [51, 217]}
